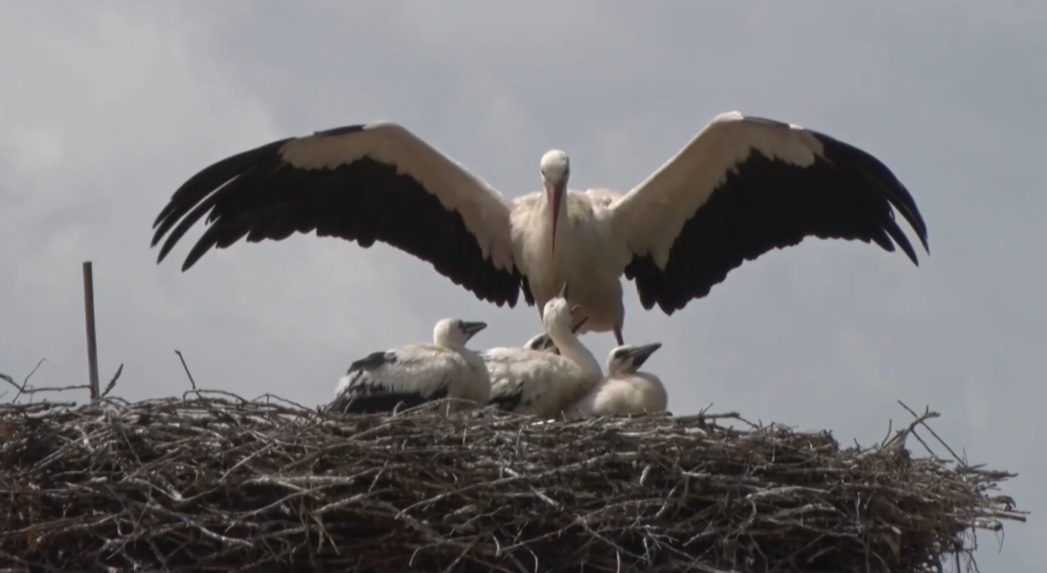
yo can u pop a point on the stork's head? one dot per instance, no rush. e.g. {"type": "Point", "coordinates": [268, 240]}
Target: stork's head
{"type": "Point", "coordinates": [628, 359]}
{"type": "Point", "coordinates": [556, 316]}
{"type": "Point", "coordinates": [555, 168]}
{"type": "Point", "coordinates": [454, 332]}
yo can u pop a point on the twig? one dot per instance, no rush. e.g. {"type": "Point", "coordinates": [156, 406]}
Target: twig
{"type": "Point", "coordinates": [9, 380]}
{"type": "Point", "coordinates": [922, 420]}
{"type": "Point", "coordinates": [192, 382]}
{"type": "Point", "coordinates": [25, 390]}
{"type": "Point", "coordinates": [25, 381]}
{"type": "Point", "coordinates": [112, 381]}
{"type": "Point", "coordinates": [38, 389]}
{"type": "Point", "coordinates": [215, 481]}
{"type": "Point", "coordinates": [899, 438]}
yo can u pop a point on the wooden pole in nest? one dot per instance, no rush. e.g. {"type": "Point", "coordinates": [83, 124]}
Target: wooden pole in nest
{"type": "Point", "coordinates": [89, 314]}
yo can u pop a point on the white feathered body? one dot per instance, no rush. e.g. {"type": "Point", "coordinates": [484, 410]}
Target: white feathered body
{"type": "Point", "coordinates": [636, 394]}
{"type": "Point", "coordinates": [424, 370]}
{"type": "Point", "coordinates": [534, 382]}
{"type": "Point", "coordinates": [588, 256]}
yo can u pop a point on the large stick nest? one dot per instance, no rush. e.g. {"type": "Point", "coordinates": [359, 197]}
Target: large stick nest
{"type": "Point", "coordinates": [212, 481]}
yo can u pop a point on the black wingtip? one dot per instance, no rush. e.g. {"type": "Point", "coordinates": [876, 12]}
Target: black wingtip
{"type": "Point", "coordinates": [901, 240]}
{"type": "Point", "coordinates": [897, 195]}
{"type": "Point", "coordinates": [199, 249]}
{"type": "Point", "coordinates": [912, 215]}
{"type": "Point", "coordinates": [922, 235]}
{"type": "Point", "coordinates": [901, 199]}
{"type": "Point", "coordinates": [200, 189]}
{"type": "Point", "coordinates": [909, 252]}
{"type": "Point", "coordinates": [160, 228]}
{"type": "Point", "coordinates": [166, 248]}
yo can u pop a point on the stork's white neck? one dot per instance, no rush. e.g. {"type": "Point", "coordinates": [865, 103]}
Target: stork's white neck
{"type": "Point", "coordinates": [572, 349]}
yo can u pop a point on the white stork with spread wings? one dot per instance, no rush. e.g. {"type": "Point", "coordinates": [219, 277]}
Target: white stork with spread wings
{"type": "Point", "coordinates": [742, 186]}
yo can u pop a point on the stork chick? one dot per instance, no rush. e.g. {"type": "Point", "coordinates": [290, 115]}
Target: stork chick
{"type": "Point", "coordinates": [626, 391]}
{"type": "Point", "coordinates": [543, 383]}
{"type": "Point", "coordinates": [417, 373]}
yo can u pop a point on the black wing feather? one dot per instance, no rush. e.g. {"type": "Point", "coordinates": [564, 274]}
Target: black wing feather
{"type": "Point", "coordinates": [508, 401]}
{"type": "Point", "coordinates": [257, 195]}
{"type": "Point", "coordinates": [765, 204]}
{"type": "Point", "coordinates": [379, 402]}
{"type": "Point", "coordinates": [366, 394]}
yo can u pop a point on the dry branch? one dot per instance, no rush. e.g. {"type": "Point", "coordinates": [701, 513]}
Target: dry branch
{"type": "Point", "coordinates": [214, 481]}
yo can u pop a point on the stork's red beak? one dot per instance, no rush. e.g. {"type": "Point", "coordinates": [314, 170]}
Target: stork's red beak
{"type": "Point", "coordinates": [555, 195]}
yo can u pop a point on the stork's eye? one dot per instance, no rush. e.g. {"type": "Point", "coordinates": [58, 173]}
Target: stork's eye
{"type": "Point", "coordinates": [618, 354]}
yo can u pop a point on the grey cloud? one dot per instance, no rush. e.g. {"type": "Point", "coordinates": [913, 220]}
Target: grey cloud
{"type": "Point", "coordinates": [111, 106]}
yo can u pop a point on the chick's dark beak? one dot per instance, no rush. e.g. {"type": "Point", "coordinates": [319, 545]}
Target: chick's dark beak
{"type": "Point", "coordinates": [471, 328]}
{"type": "Point", "coordinates": [640, 354]}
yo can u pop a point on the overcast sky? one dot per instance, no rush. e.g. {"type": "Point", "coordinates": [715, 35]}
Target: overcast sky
{"type": "Point", "coordinates": [107, 107]}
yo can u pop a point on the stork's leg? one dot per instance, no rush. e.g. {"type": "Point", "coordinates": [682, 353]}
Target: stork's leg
{"type": "Point", "coordinates": [618, 334]}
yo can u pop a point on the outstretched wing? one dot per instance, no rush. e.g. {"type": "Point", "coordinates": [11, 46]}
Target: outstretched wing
{"type": "Point", "coordinates": [743, 186]}
{"type": "Point", "coordinates": [362, 183]}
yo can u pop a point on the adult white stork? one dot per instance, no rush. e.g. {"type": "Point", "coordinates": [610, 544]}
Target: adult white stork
{"type": "Point", "coordinates": [540, 382]}
{"type": "Point", "coordinates": [742, 186]}
{"type": "Point", "coordinates": [417, 373]}
{"type": "Point", "coordinates": [625, 391]}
